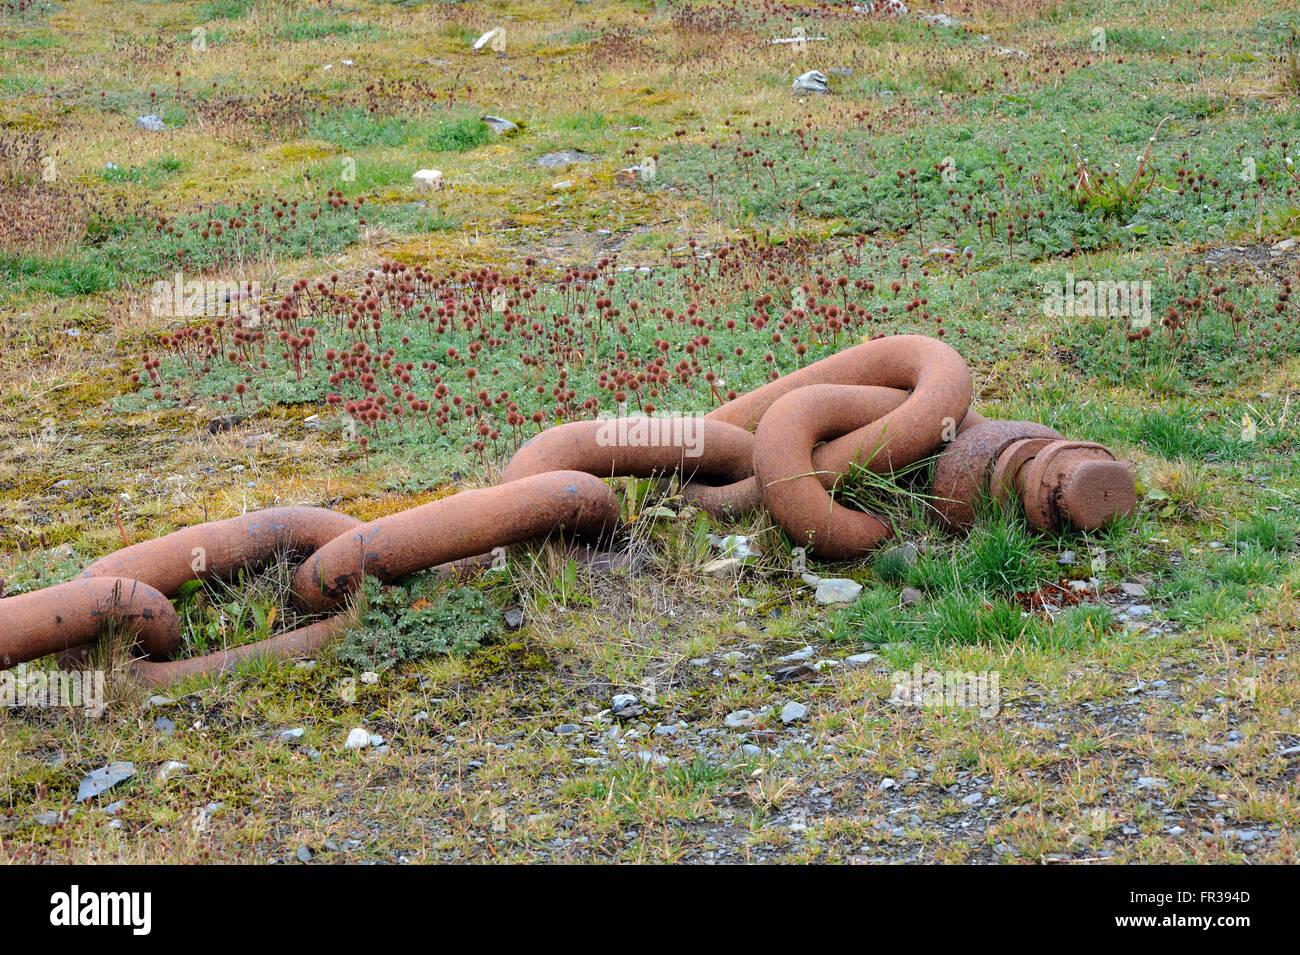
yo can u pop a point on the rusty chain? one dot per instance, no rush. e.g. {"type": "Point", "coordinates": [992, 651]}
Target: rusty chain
{"type": "Point", "coordinates": [882, 405]}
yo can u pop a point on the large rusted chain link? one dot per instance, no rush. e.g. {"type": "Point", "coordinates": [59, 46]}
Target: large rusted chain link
{"type": "Point", "coordinates": [294, 643]}
{"type": "Point", "coordinates": [882, 405]}
{"type": "Point", "coordinates": [793, 487]}
{"type": "Point", "coordinates": [218, 549]}
{"type": "Point", "coordinates": [462, 525]}
{"type": "Point", "coordinates": [934, 393]}
{"type": "Point", "coordinates": [68, 616]}
{"type": "Point", "coordinates": [215, 550]}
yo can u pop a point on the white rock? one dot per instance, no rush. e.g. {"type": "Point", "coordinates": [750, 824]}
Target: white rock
{"type": "Point", "coordinates": [486, 39]}
{"type": "Point", "coordinates": [370, 678]}
{"type": "Point", "coordinates": [169, 769]}
{"type": "Point", "coordinates": [837, 590]}
{"type": "Point", "coordinates": [428, 180]}
{"type": "Point", "coordinates": [792, 712]}
{"type": "Point", "coordinates": [860, 659]}
{"type": "Point", "coordinates": [357, 739]}
{"type": "Point", "coordinates": [804, 654]}
{"type": "Point", "coordinates": [734, 545]}
{"type": "Point", "coordinates": [814, 81]}
{"type": "Point", "coordinates": [500, 124]}
{"type": "Point", "coordinates": [722, 567]}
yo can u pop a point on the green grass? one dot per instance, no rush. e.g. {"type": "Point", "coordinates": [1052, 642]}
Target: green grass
{"type": "Point", "coordinates": [225, 9]}
{"type": "Point", "coordinates": [458, 135]}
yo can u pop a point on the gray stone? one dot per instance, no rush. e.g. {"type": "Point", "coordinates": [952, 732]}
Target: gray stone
{"type": "Point", "coordinates": [749, 749]}
{"type": "Point", "coordinates": [292, 736]}
{"type": "Point", "coordinates": [973, 799]}
{"type": "Point", "coordinates": [793, 712]}
{"type": "Point", "coordinates": [734, 545]}
{"type": "Point", "coordinates": [514, 618]}
{"type": "Point", "coordinates": [224, 423]}
{"type": "Point", "coordinates": [860, 659]}
{"type": "Point", "coordinates": [904, 553]}
{"type": "Point", "coordinates": [624, 706]}
{"type": "Point", "coordinates": [152, 123]}
{"type": "Point", "coordinates": [1067, 558]}
{"type": "Point", "coordinates": [837, 590]}
{"type": "Point", "coordinates": [562, 158]}
{"type": "Point", "coordinates": [304, 854]}
{"type": "Point", "coordinates": [499, 125]}
{"type": "Point", "coordinates": [804, 654]}
{"type": "Point", "coordinates": [104, 779]}
{"type": "Point", "coordinates": [739, 719]}
{"type": "Point", "coordinates": [910, 597]}
{"type": "Point", "coordinates": [1139, 611]}
{"type": "Point", "coordinates": [165, 726]}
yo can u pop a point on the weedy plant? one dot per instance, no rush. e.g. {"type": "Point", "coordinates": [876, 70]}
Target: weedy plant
{"type": "Point", "coordinates": [1106, 190]}
{"type": "Point", "coordinates": [419, 618]}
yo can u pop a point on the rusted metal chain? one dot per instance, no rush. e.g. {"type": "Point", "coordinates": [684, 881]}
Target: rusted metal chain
{"type": "Point", "coordinates": [218, 549]}
{"type": "Point", "coordinates": [882, 405]}
{"type": "Point", "coordinates": [462, 525]}
{"type": "Point", "coordinates": [68, 616]}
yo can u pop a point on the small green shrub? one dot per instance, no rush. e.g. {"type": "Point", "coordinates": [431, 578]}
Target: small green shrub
{"type": "Point", "coordinates": [408, 622]}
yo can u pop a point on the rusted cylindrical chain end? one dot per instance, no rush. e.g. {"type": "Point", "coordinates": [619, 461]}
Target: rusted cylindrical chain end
{"type": "Point", "coordinates": [1076, 484]}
